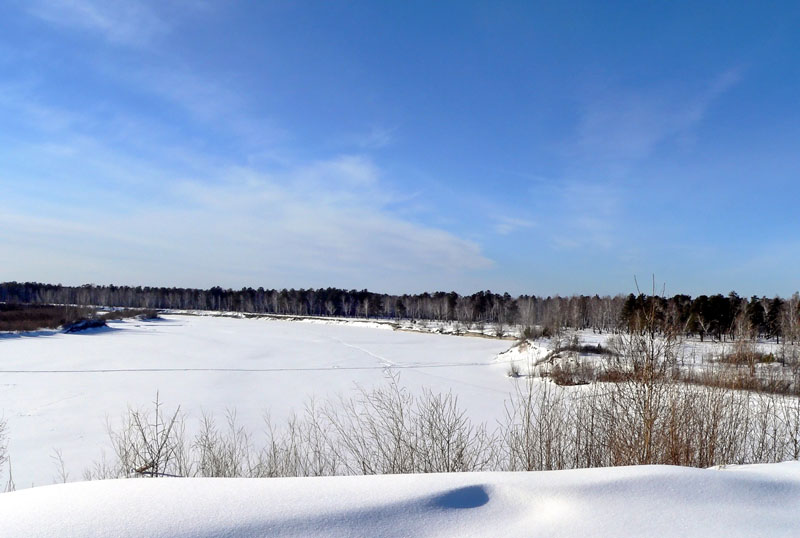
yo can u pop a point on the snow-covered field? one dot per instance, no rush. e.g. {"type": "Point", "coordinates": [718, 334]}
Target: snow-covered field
{"type": "Point", "coordinates": [57, 390]}
{"type": "Point", "coordinates": [756, 500]}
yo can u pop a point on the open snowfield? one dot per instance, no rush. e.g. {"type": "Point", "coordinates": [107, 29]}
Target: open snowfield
{"type": "Point", "coordinates": [657, 501]}
{"type": "Point", "coordinates": [58, 390]}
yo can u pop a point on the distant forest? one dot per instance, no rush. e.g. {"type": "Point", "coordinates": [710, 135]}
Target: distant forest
{"type": "Point", "coordinates": [716, 316]}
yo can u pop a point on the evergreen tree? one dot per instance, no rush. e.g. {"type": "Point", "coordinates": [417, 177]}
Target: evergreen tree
{"type": "Point", "coordinates": [756, 316]}
{"type": "Point", "coordinates": [774, 315]}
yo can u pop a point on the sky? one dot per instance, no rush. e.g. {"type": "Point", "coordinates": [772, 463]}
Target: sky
{"type": "Point", "coordinates": [536, 148]}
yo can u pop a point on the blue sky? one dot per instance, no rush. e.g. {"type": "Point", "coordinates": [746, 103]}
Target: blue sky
{"type": "Point", "coordinates": [560, 147]}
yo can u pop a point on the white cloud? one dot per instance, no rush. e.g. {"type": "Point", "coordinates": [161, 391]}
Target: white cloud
{"type": "Point", "coordinates": [328, 215]}
{"type": "Point", "coordinates": [314, 224]}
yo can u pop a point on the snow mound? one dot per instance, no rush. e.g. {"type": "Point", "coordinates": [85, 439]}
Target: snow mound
{"type": "Point", "coordinates": [753, 500]}
{"type": "Point", "coordinates": [526, 353]}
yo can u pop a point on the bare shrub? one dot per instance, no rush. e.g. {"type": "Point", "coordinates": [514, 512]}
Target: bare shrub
{"type": "Point", "coordinates": [62, 475]}
{"type": "Point", "coordinates": [301, 448]}
{"type": "Point", "coordinates": [222, 453]}
{"type": "Point", "coordinates": [3, 444]}
{"type": "Point", "coordinates": [150, 443]}
{"type": "Point", "coordinates": [535, 433]}
{"type": "Point", "coordinates": [374, 430]}
{"type": "Point", "coordinates": [445, 440]}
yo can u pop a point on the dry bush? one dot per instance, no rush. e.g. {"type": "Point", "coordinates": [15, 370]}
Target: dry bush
{"type": "Point", "coordinates": [23, 317]}
{"type": "Point", "coordinates": [613, 374]}
{"type": "Point", "coordinates": [571, 373]}
{"type": "Point", "coordinates": [747, 358]}
{"type": "Point", "coordinates": [587, 349]}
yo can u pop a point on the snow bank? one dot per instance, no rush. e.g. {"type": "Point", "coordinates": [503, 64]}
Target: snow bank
{"type": "Point", "coordinates": [758, 500]}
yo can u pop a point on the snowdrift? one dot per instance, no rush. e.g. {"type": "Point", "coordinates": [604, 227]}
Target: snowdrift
{"type": "Point", "coordinates": [755, 500]}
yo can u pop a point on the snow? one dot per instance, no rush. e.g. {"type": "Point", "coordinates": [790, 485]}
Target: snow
{"type": "Point", "coordinates": [757, 500]}
{"type": "Point", "coordinates": [527, 353]}
{"type": "Point", "coordinates": [59, 390]}
{"type": "Point", "coordinates": [534, 356]}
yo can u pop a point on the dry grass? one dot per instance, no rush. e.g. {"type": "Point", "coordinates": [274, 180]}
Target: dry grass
{"type": "Point", "coordinates": [746, 357]}
{"type": "Point", "coordinates": [22, 317]}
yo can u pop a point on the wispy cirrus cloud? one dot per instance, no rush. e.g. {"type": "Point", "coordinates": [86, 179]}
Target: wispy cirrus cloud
{"type": "Point", "coordinates": [376, 138]}
{"type": "Point", "coordinates": [620, 126]}
{"type": "Point", "coordinates": [118, 21]}
{"type": "Point", "coordinates": [505, 225]}
{"type": "Point", "coordinates": [589, 215]}
{"type": "Point", "coordinates": [619, 129]}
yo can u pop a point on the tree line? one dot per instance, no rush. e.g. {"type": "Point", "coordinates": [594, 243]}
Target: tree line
{"type": "Point", "coordinates": [720, 317]}
{"type": "Point", "coordinates": [716, 316]}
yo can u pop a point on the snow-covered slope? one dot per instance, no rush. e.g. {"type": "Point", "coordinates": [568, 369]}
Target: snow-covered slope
{"type": "Point", "coordinates": [758, 500]}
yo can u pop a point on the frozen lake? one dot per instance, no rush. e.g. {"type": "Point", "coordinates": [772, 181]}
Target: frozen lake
{"type": "Point", "coordinates": [59, 390]}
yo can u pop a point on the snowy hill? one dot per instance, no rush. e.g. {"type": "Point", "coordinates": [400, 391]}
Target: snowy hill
{"type": "Point", "coordinates": [756, 500]}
